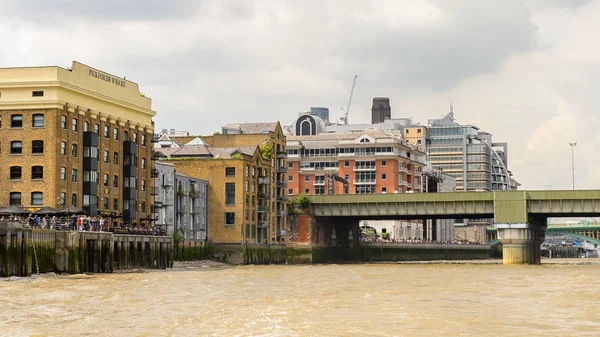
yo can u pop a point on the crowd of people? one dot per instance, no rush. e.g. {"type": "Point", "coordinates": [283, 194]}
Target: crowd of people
{"type": "Point", "coordinates": [81, 223]}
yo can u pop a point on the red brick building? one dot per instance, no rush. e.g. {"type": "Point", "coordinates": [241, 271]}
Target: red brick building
{"type": "Point", "coordinates": [371, 161]}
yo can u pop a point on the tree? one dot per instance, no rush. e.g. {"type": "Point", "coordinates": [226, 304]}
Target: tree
{"type": "Point", "coordinates": [266, 151]}
{"type": "Point", "coordinates": [303, 201]}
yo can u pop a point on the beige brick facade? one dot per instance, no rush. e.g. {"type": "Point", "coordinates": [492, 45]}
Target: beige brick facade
{"type": "Point", "coordinates": [73, 101]}
{"type": "Point", "coordinates": [246, 227]}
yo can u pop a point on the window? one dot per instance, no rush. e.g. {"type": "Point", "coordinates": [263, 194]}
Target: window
{"type": "Point", "coordinates": [418, 141]}
{"type": "Point", "coordinates": [290, 178]}
{"type": "Point", "coordinates": [143, 207]}
{"type": "Point", "coordinates": [16, 147]}
{"type": "Point", "coordinates": [115, 204]}
{"type": "Point", "coordinates": [383, 163]}
{"type": "Point", "coordinates": [418, 130]}
{"type": "Point", "coordinates": [63, 148]}
{"type": "Point", "coordinates": [106, 131]}
{"type": "Point", "coordinates": [16, 121]}
{"type": "Point", "coordinates": [406, 131]}
{"type": "Point", "coordinates": [115, 158]}
{"type": "Point", "coordinates": [62, 199]}
{"type": "Point", "coordinates": [74, 175]}
{"type": "Point", "coordinates": [74, 150]}
{"type": "Point", "coordinates": [74, 124]}
{"type": "Point", "coordinates": [229, 193]}
{"type": "Point", "coordinates": [37, 121]}
{"type": "Point", "coordinates": [116, 134]}
{"type": "Point", "coordinates": [105, 203]}
{"type": "Point", "coordinates": [384, 190]}
{"type": "Point", "coordinates": [346, 164]}
{"type": "Point", "coordinates": [115, 181]}
{"type": "Point", "coordinates": [97, 128]}
{"type": "Point", "coordinates": [247, 186]}
{"type": "Point", "coordinates": [106, 156]}
{"type": "Point", "coordinates": [86, 126]}
{"type": "Point", "coordinates": [0, 121]}
{"type": "Point", "coordinates": [37, 146]}
{"type": "Point", "coordinates": [290, 191]}
{"type": "Point", "coordinates": [383, 176]}
{"type": "Point", "coordinates": [306, 191]}
{"type": "Point", "coordinates": [63, 122]}
{"type": "Point", "coordinates": [15, 198]}
{"type": "Point", "coordinates": [37, 198]}
{"type": "Point", "coordinates": [105, 179]}
{"type": "Point", "coordinates": [15, 173]}
{"type": "Point", "coordinates": [247, 231]}
{"type": "Point", "coordinates": [74, 199]}
{"type": "Point", "coordinates": [37, 93]}
{"type": "Point", "coordinates": [254, 231]}
{"type": "Point", "coordinates": [143, 140]}
{"type": "Point", "coordinates": [134, 137]}
{"type": "Point", "coordinates": [143, 185]}
{"type": "Point", "coordinates": [143, 163]}
{"type": "Point", "coordinates": [306, 178]}
{"type": "Point", "coordinates": [229, 218]}
{"type": "Point", "coordinates": [63, 173]}
{"type": "Point", "coordinates": [230, 171]}
{"type": "Point", "coordinates": [37, 172]}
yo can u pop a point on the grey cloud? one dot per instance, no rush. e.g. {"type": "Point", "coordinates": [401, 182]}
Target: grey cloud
{"type": "Point", "coordinates": [103, 10]}
{"type": "Point", "coordinates": [476, 40]}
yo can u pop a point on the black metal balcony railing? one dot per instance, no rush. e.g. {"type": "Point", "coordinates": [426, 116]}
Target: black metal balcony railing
{"type": "Point", "coordinates": [282, 198]}
{"type": "Point", "coordinates": [264, 195]}
{"type": "Point", "coordinates": [264, 181]}
{"type": "Point", "coordinates": [282, 155]}
{"type": "Point", "coordinates": [282, 169]}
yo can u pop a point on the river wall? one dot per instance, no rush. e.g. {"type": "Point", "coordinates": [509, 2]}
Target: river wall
{"type": "Point", "coordinates": [26, 251]}
{"type": "Point", "coordinates": [371, 252]}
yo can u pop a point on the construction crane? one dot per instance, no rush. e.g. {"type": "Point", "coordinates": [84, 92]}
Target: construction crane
{"type": "Point", "coordinates": [345, 117]}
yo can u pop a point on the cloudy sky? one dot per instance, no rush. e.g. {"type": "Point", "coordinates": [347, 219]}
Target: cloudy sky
{"type": "Point", "coordinates": [525, 71]}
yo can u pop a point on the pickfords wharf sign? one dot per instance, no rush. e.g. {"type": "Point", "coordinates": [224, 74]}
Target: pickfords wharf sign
{"type": "Point", "coordinates": [107, 78]}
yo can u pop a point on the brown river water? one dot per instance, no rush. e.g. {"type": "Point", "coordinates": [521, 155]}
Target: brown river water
{"type": "Point", "coordinates": [557, 298]}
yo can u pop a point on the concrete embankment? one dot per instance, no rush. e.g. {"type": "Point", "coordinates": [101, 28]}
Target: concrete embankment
{"type": "Point", "coordinates": [373, 252]}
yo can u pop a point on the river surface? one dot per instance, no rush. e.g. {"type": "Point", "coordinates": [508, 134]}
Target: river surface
{"type": "Point", "coordinates": [557, 298]}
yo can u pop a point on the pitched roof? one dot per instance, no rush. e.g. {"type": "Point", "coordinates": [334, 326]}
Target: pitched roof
{"type": "Point", "coordinates": [196, 142]}
{"type": "Point", "coordinates": [227, 152]}
{"type": "Point", "coordinates": [253, 128]}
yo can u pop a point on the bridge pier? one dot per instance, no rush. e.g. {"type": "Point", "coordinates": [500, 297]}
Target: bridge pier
{"type": "Point", "coordinates": [521, 242]}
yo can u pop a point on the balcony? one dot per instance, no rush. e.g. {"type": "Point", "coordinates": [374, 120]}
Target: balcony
{"type": "Point", "coordinates": [90, 164]}
{"type": "Point", "coordinates": [264, 181]}
{"type": "Point", "coordinates": [167, 182]}
{"type": "Point", "coordinates": [402, 169]}
{"type": "Point", "coordinates": [129, 193]}
{"type": "Point", "coordinates": [364, 168]}
{"type": "Point", "coordinates": [281, 213]}
{"type": "Point", "coordinates": [282, 198]}
{"type": "Point", "coordinates": [364, 181]}
{"type": "Point", "coordinates": [319, 183]}
{"type": "Point", "coordinates": [129, 147]}
{"type": "Point", "coordinates": [129, 170]}
{"type": "Point", "coordinates": [263, 209]}
{"type": "Point", "coordinates": [282, 169]}
{"type": "Point", "coordinates": [264, 195]}
{"type": "Point", "coordinates": [90, 139]}
{"type": "Point", "coordinates": [129, 215]}
{"type": "Point", "coordinates": [282, 184]}
{"type": "Point", "coordinates": [282, 155]}
{"type": "Point", "coordinates": [263, 225]}
{"type": "Point", "coordinates": [154, 173]}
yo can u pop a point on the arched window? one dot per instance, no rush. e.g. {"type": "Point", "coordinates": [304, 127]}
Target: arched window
{"type": "Point", "coordinates": [125, 136]}
{"type": "Point", "coordinates": [86, 127]}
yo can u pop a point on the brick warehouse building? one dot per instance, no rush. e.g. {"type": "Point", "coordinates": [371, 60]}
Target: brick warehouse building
{"type": "Point", "coordinates": [76, 136]}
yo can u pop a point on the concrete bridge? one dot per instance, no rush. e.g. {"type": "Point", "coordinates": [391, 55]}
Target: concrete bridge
{"type": "Point", "coordinates": [520, 217]}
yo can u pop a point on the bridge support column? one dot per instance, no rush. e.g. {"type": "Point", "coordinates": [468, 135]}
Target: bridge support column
{"type": "Point", "coordinates": [521, 242]}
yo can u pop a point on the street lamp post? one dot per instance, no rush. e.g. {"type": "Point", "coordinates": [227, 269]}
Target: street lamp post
{"type": "Point", "coordinates": [573, 144]}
